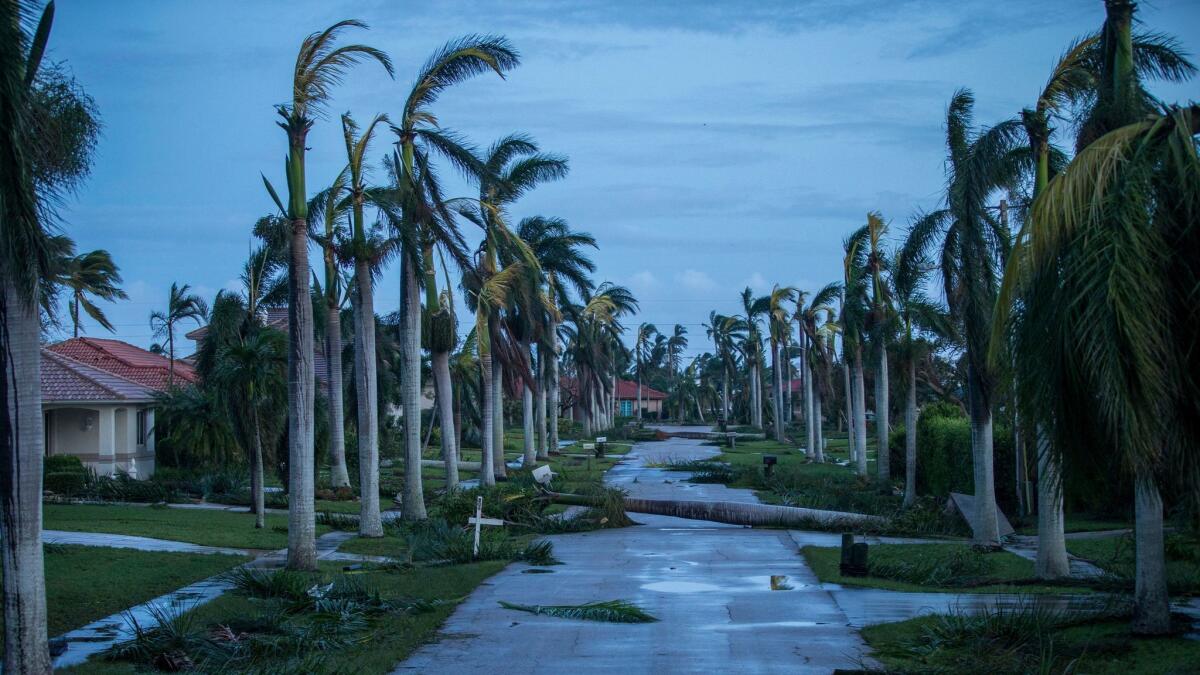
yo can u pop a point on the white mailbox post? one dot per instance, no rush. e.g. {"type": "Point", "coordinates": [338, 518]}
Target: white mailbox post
{"type": "Point", "coordinates": [478, 520]}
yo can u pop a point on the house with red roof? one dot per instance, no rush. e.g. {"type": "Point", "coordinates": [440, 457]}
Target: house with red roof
{"type": "Point", "coordinates": [624, 405]}
{"type": "Point", "coordinates": [98, 399]}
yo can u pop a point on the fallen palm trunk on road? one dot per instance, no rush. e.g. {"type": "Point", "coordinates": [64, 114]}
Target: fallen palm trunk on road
{"type": "Point", "coordinates": [733, 513]}
{"type": "Point", "coordinates": [462, 465]}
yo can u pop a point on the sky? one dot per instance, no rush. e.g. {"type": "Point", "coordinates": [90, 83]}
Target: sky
{"type": "Point", "coordinates": [713, 145]}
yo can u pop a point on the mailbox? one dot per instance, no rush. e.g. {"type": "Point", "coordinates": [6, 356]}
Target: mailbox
{"type": "Point", "coordinates": [769, 462]}
{"type": "Point", "coordinates": [601, 441]}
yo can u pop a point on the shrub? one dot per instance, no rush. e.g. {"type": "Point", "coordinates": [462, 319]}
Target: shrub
{"type": "Point", "coordinates": [66, 483]}
{"type": "Point", "coordinates": [944, 462]}
{"type": "Point", "coordinates": [62, 464]}
{"type": "Point", "coordinates": [224, 482]}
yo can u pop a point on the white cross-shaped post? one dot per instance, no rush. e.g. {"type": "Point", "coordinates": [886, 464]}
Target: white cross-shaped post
{"type": "Point", "coordinates": [477, 520]}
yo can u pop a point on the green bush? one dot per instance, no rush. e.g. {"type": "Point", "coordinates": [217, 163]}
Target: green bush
{"type": "Point", "coordinates": [62, 463]}
{"type": "Point", "coordinates": [944, 462]}
{"type": "Point", "coordinates": [66, 483]}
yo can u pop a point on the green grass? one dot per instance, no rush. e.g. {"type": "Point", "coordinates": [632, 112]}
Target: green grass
{"type": "Point", "coordinates": [1100, 648]}
{"type": "Point", "coordinates": [1000, 566]}
{"type": "Point", "coordinates": [1115, 555]}
{"type": "Point", "coordinates": [391, 637]}
{"type": "Point", "coordinates": [198, 526]}
{"type": "Point", "coordinates": [86, 583]}
{"type": "Point", "coordinates": [1082, 522]}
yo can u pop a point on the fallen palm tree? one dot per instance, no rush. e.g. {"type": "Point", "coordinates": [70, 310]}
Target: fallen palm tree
{"type": "Point", "coordinates": [733, 513]}
{"type": "Point", "coordinates": [463, 465]}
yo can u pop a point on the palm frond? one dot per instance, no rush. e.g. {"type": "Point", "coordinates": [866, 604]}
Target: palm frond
{"type": "Point", "coordinates": [611, 611]}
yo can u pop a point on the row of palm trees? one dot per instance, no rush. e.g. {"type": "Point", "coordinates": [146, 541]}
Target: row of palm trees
{"type": "Point", "coordinates": [1078, 321]}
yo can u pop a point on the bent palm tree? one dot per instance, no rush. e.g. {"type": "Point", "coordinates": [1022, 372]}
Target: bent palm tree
{"type": "Point", "coordinates": [325, 210]}
{"type": "Point", "coordinates": [319, 67]}
{"type": "Point", "coordinates": [779, 326]}
{"type": "Point", "coordinates": [94, 274]}
{"type": "Point", "coordinates": [181, 305]}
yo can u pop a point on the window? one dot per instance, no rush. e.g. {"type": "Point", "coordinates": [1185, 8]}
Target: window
{"type": "Point", "coordinates": [626, 408]}
{"type": "Point", "coordinates": [141, 427]}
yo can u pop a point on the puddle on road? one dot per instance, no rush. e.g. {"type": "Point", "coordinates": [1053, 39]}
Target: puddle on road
{"type": "Point", "coordinates": [680, 587]}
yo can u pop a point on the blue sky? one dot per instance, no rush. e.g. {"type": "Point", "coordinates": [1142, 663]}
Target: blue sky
{"type": "Point", "coordinates": [713, 145]}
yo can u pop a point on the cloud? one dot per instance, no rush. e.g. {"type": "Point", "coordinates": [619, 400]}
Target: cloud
{"type": "Point", "coordinates": [756, 282]}
{"type": "Point", "coordinates": [643, 281]}
{"type": "Point", "coordinates": [695, 280]}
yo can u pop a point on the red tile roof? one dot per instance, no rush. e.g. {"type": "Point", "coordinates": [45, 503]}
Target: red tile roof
{"type": "Point", "coordinates": [126, 361]}
{"type": "Point", "coordinates": [65, 379]}
{"type": "Point", "coordinates": [628, 390]}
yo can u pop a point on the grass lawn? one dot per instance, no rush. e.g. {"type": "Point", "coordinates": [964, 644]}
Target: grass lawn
{"type": "Point", "coordinates": [919, 567]}
{"type": "Point", "coordinates": [198, 526]}
{"type": "Point", "coordinates": [1083, 522]}
{"type": "Point", "coordinates": [1102, 648]}
{"type": "Point", "coordinates": [391, 637]}
{"type": "Point", "coordinates": [75, 599]}
{"type": "Point", "coordinates": [1116, 555]}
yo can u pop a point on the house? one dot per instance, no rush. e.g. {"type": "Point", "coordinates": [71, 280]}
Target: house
{"type": "Point", "coordinates": [98, 400]}
{"type": "Point", "coordinates": [627, 398]}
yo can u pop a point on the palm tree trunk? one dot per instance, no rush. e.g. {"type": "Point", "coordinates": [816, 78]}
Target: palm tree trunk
{"type": "Point", "coordinates": [367, 401]}
{"type": "Point", "coordinates": [777, 390]}
{"type": "Point", "coordinates": [553, 384]}
{"type": "Point", "coordinates": [810, 421]}
{"type": "Point", "coordinates": [529, 457]}
{"type": "Point", "coordinates": [338, 475]}
{"type": "Point", "coordinates": [445, 401]}
{"type": "Point", "coordinates": [1052, 562]}
{"type": "Point", "coordinates": [883, 453]}
{"type": "Point", "coordinates": [851, 444]}
{"type": "Point", "coordinates": [256, 476]}
{"type": "Point", "coordinates": [819, 436]}
{"type": "Point", "coordinates": [639, 392]}
{"type": "Point", "coordinates": [302, 523]}
{"type": "Point", "coordinates": [1151, 608]}
{"type": "Point", "coordinates": [785, 384]}
{"type": "Point", "coordinates": [860, 412]}
{"type": "Point", "coordinates": [487, 476]}
{"type": "Point", "coordinates": [499, 467]}
{"type": "Point", "coordinates": [413, 507]}
{"type": "Point", "coordinates": [910, 437]}
{"type": "Point", "coordinates": [21, 451]}
{"type": "Point", "coordinates": [543, 450]}
{"type": "Point", "coordinates": [988, 527]}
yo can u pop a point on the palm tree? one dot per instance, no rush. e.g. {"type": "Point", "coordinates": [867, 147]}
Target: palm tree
{"type": "Point", "coordinates": [252, 371]}
{"type": "Point", "coordinates": [676, 343]}
{"type": "Point", "coordinates": [879, 323]}
{"type": "Point", "coordinates": [510, 168]}
{"type": "Point", "coordinates": [853, 319]}
{"type": "Point", "coordinates": [90, 274]}
{"type": "Point", "coordinates": [724, 332]}
{"type": "Point", "coordinates": [565, 267]}
{"type": "Point", "coordinates": [319, 66]}
{"type": "Point", "coordinates": [181, 305]}
{"type": "Point", "coordinates": [25, 260]}
{"type": "Point", "coordinates": [1074, 80]}
{"type": "Point", "coordinates": [972, 244]}
{"type": "Point", "coordinates": [453, 63]}
{"type": "Point", "coordinates": [807, 316]}
{"type": "Point", "coordinates": [641, 345]}
{"type": "Point", "coordinates": [324, 212]}
{"type": "Point", "coordinates": [1103, 243]}
{"type": "Point", "coordinates": [752, 349]}
{"type": "Point", "coordinates": [366, 253]}
{"type": "Point", "coordinates": [779, 325]}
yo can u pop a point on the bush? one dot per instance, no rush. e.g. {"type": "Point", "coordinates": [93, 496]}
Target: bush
{"type": "Point", "coordinates": [62, 464]}
{"type": "Point", "coordinates": [66, 483]}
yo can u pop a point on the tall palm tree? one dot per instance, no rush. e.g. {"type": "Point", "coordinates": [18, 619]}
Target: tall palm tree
{"type": "Point", "coordinates": [808, 314]}
{"type": "Point", "coordinates": [565, 267]}
{"type": "Point", "coordinates": [453, 63]}
{"type": "Point", "coordinates": [1073, 82]}
{"type": "Point", "coordinates": [676, 343]}
{"type": "Point", "coordinates": [90, 274]}
{"type": "Point", "coordinates": [853, 320]}
{"type": "Point", "coordinates": [779, 325]}
{"type": "Point", "coordinates": [366, 253]}
{"type": "Point", "coordinates": [253, 372]}
{"type": "Point", "coordinates": [972, 244]}
{"type": "Point", "coordinates": [510, 168]}
{"type": "Point", "coordinates": [181, 305]}
{"type": "Point", "coordinates": [879, 323]}
{"type": "Point", "coordinates": [725, 331]}
{"type": "Point", "coordinates": [1102, 243]}
{"type": "Point", "coordinates": [320, 65]}
{"type": "Point", "coordinates": [641, 345]}
{"type": "Point", "coordinates": [25, 261]}
{"type": "Point", "coordinates": [325, 210]}
{"type": "Point", "coordinates": [752, 308]}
